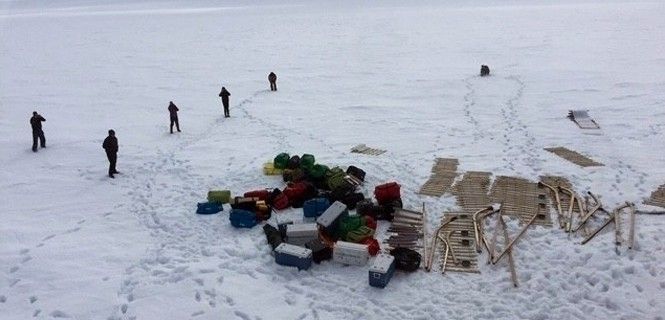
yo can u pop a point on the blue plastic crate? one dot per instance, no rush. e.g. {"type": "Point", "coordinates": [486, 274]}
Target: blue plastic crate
{"type": "Point", "coordinates": [315, 207]}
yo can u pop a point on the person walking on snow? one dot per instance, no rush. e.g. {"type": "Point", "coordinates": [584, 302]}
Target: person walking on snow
{"type": "Point", "coordinates": [110, 145]}
{"type": "Point", "coordinates": [272, 77]}
{"type": "Point", "coordinates": [225, 101]}
{"type": "Point", "coordinates": [173, 112]}
{"type": "Point", "coordinates": [37, 132]}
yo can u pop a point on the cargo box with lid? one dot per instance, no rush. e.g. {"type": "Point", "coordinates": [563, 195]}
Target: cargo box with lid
{"type": "Point", "coordinates": [315, 207]}
{"type": "Point", "coordinates": [329, 219]}
{"type": "Point", "coordinates": [320, 251]}
{"type": "Point", "coordinates": [350, 253]}
{"type": "Point", "coordinates": [262, 194]}
{"type": "Point", "coordinates": [219, 196]}
{"type": "Point", "coordinates": [242, 218]}
{"type": "Point", "coordinates": [356, 172]}
{"type": "Point", "coordinates": [299, 234]}
{"type": "Point", "coordinates": [281, 160]}
{"type": "Point", "coordinates": [243, 203]}
{"type": "Point", "coordinates": [273, 236]}
{"type": "Point", "coordinates": [307, 160]}
{"type": "Point", "coordinates": [387, 192]}
{"type": "Point", "coordinates": [270, 170]}
{"type": "Point", "coordinates": [381, 270]}
{"type": "Point", "coordinates": [294, 256]}
{"type": "Point", "coordinates": [208, 208]}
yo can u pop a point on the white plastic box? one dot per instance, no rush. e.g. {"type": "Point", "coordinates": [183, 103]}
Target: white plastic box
{"type": "Point", "coordinates": [299, 234]}
{"type": "Point", "coordinates": [329, 219]}
{"type": "Point", "coordinates": [350, 253]}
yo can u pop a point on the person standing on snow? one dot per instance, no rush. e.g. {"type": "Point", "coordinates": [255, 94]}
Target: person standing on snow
{"type": "Point", "coordinates": [110, 145]}
{"type": "Point", "coordinates": [173, 112]}
{"type": "Point", "coordinates": [37, 132]}
{"type": "Point", "coordinates": [225, 101]}
{"type": "Point", "coordinates": [272, 77]}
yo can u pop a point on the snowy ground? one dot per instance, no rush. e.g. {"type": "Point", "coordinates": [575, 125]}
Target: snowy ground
{"type": "Point", "coordinates": [74, 244]}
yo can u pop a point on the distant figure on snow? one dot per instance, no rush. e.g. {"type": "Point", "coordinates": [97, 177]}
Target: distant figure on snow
{"type": "Point", "coordinates": [37, 132]}
{"type": "Point", "coordinates": [173, 112]}
{"type": "Point", "coordinates": [484, 70]}
{"type": "Point", "coordinates": [225, 101]}
{"type": "Point", "coordinates": [272, 77]}
{"type": "Point", "coordinates": [111, 146]}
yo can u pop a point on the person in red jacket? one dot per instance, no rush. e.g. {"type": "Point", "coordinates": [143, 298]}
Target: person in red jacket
{"type": "Point", "coordinates": [272, 77]}
{"type": "Point", "coordinates": [173, 112]}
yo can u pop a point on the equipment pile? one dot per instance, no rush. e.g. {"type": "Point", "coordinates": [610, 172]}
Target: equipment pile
{"type": "Point", "coordinates": [328, 231]}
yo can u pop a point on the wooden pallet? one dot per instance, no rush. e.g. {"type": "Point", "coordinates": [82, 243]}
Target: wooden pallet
{"type": "Point", "coordinates": [462, 243]}
{"type": "Point", "coordinates": [471, 191]}
{"type": "Point", "coordinates": [444, 172]}
{"type": "Point", "coordinates": [362, 148]}
{"type": "Point", "coordinates": [657, 197]}
{"type": "Point", "coordinates": [521, 198]}
{"type": "Point", "coordinates": [574, 157]}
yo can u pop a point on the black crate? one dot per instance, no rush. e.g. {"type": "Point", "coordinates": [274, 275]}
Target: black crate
{"type": "Point", "coordinates": [320, 252]}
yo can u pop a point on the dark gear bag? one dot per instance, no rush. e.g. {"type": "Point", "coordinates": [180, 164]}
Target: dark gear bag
{"type": "Point", "coordinates": [294, 162]}
{"type": "Point", "coordinates": [406, 259]}
{"type": "Point", "coordinates": [356, 172]}
{"type": "Point", "coordinates": [272, 235]}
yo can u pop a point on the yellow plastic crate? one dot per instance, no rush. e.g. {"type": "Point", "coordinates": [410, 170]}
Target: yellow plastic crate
{"type": "Point", "coordinates": [270, 170]}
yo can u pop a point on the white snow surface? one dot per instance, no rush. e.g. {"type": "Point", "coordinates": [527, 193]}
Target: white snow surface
{"type": "Point", "coordinates": [398, 76]}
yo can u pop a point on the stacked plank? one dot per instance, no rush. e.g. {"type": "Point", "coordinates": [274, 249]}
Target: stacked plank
{"type": "Point", "coordinates": [471, 191]}
{"type": "Point", "coordinates": [406, 230]}
{"type": "Point", "coordinates": [443, 174]}
{"type": "Point", "coordinates": [582, 119]}
{"type": "Point", "coordinates": [657, 197]}
{"type": "Point", "coordinates": [574, 157]}
{"type": "Point", "coordinates": [362, 148]}
{"type": "Point", "coordinates": [521, 198]}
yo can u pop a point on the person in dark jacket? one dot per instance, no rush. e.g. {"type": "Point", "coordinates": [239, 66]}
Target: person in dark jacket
{"type": "Point", "coordinates": [110, 145]}
{"type": "Point", "coordinates": [173, 112]}
{"type": "Point", "coordinates": [272, 77]}
{"type": "Point", "coordinates": [37, 132]}
{"type": "Point", "coordinates": [484, 71]}
{"type": "Point", "coordinates": [225, 101]}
